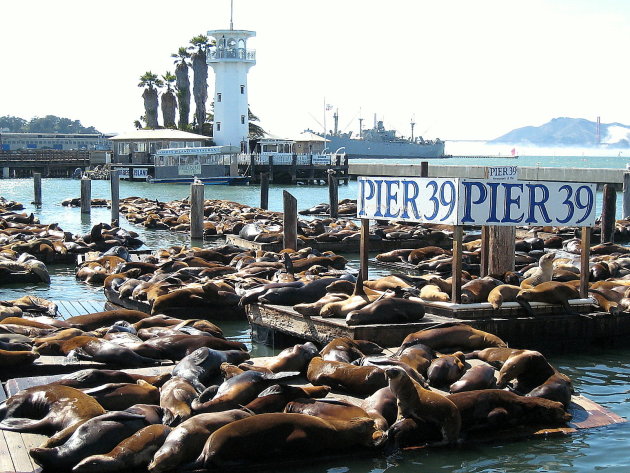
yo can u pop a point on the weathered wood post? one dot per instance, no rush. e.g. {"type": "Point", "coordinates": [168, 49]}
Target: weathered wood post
{"type": "Point", "coordinates": [264, 190]}
{"type": "Point", "coordinates": [86, 195]}
{"type": "Point", "coordinates": [584, 260]}
{"type": "Point", "coordinates": [289, 221]}
{"type": "Point", "coordinates": [196, 210]}
{"type": "Point", "coordinates": [485, 250]}
{"type": "Point", "coordinates": [626, 194]}
{"type": "Point", "coordinates": [252, 166]}
{"type": "Point", "coordinates": [456, 274]}
{"type": "Point", "coordinates": [424, 169]}
{"type": "Point", "coordinates": [333, 193]}
{"type": "Point", "coordinates": [270, 168]}
{"type": "Point", "coordinates": [37, 188]}
{"type": "Point", "coordinates": [608, 214]}
{"type": "Point", "coordinates": [501, 247]}
{"type": "Point", "coordinates": [364, 249]}
{"type": "Point", "coordinates": [114, 185]}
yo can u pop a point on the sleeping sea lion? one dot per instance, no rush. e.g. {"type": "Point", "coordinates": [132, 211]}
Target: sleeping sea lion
{"type": "Point", "coordinates": [453, 335]}
{"type": "Point", "coordinates": [551, 292]}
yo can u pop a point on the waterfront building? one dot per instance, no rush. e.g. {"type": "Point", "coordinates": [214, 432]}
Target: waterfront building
{"type": "Point", "coordinates": [140, 146]}
{"type": "Point", "coordinates": [10, 141]}
{"type": "Point", "coordinates": [231, 60]}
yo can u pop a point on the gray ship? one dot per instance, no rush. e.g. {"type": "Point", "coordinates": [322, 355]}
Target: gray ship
{"type": "Point", "coordinates": [379, 143]}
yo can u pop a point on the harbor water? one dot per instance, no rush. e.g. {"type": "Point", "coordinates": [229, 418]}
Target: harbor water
{"type": "Point", "coordinates": [602, 375]}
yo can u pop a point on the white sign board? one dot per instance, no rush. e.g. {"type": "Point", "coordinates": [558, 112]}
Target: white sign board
{"type": "Point", "coordinates": [501, 173]}
{"type": "Point", "coordinates": [477, 202]}
{"type": "Point", "coordinates": [138, 173]}
{"type": "Point", "coordinates": [189, 169]}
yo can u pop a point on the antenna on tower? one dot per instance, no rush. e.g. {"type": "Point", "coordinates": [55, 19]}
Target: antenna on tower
{"type": "Point", "coordinates": [231, 14]}
{"type": "Point", "coordinates": [413, 124]}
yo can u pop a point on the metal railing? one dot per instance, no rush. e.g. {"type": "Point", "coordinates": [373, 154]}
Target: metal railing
{"type": "Point", "coordinates": [239, 53]}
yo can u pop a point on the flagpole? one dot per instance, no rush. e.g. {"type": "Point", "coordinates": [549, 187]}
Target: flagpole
{"type": "Point", "coordinates": [324, 122]}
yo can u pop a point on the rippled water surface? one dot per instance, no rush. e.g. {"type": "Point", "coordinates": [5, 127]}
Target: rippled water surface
{"type": "Point", "coordinates": [603, 376]}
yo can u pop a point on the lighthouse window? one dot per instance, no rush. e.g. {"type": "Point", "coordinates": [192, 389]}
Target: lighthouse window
{"type": "Point", "coordinates": [242, 119]}
{"type": "Point", "coordinates": [242, 89]}
{"type": "Point", "coordinates": [218, 97]}
{"type": "Point", "coordinates": [218, 126]}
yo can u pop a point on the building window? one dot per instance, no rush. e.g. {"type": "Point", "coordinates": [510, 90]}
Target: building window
{"type": "Point", "coordinates": [141, 147]}
{"type": "Point", "coordinates": [242, 119]}
{"type": "Point", "coordinates": [242, 89]}
{"type": "Point", "coordinates": [218, 97]}
{"type": "Point", "coordinates": [218, 126]}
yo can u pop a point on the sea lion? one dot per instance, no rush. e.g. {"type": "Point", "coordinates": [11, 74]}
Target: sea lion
{"type": "Point", "coordinates": [558, 387]}
{"type": "Point", "coordinates": [47, 409]}
{"type": "Point", "coordinates": [355, 380]}
{"type": "Point", "coordinates": [551, 292]}
{"type": "Point", "coordinates": [394, 256]}
{"type": "Point", "coordinates": [347, 350]}
{"type": "Point", "coordinates": [185, 442]}
{"type": "Point", "coordinates": [307, 293]}
{"type": "Point", "coordinates": [96, 436]}
{"type": "Point", "coordinates": [391, 310]}
{"type": "Point", "coordinates": [494, 356]}
{"type": "Point", "coordinates": [432, 292]}
{"type": "Point", "coordinates": [446, 369]}
{"type": "Point", "coordinates": [423, 405]}
{"type": "Point", "coordinates": [239, 390]}
{"type": "Point", "coordinates": [120, 396]}
{"type": "Point", "coordinates": [295, 358]}
{"type": "Point", "coordinates": [90, 378]}
{"type": "Point", "coordinates": [99, 319]}
{"type": "Point", "coordinates": [388, 282]}
{"type": "Point", "coordinates": [326, 409]}
{"type": "Point", "coordinates": [277, 396]}
{"type": "Point", "coordinates": [314, 308]}
{"type": "Point", "coordinates": [133, 452]}
{"type": "Point", "coordinates": [453, 335]}
{"type": "Point", "coordinates": [177, 395]}
{"type": "Point", "coordinates": [284, 435]}
{"type": "Point", "coordinates": [418, 357]}
{"type": "Point", "coordinates": [477, 290]}
{"type": "Point", "coordinates": [10, 358]}
{"type": "Point", "coordinates": [419, 255]}
{"type": "Point", "coordinates": [203, 364]}
{"type": "Point", "coordinates": [176, 347]}
{"type": "Point", "coordinates": [496, 408]}
{"type": "Point", "coordinates": [478, 377]}
{"type": "Point", "coordinates": [382, 407]}
{"type": "Point", "coordinates": [543, 273]}
{"type": "Point", "coordinates": [502, 293]}
{"type": "Point", "coordinates": [529, 368]}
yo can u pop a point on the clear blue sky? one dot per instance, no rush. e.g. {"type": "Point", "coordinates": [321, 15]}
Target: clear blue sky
{"type": "Point", "coordinates": [463, 69]}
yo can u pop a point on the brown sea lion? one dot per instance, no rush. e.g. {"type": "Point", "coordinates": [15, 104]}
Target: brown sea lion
{"type": "Point", "coordinates": [391, 310]}
{"type": "Point", "coordinates": [133, 452]}
{"type": "Point", "coordinates": [96, 436]}
{"type": "Point", "coordinates": [355, 380]}
{"type": "Point", "coordinates": [285, 435]}
{"type": "Point", "coordinates": [423, 405]}
{"type": "Point", "coordinates": [186, 441]}
{"type": "Point", "coordinates": [494, 356]}
{"type": "Point", "coordinates": [551, 292]}
{"type": "Point", "coordinates": [558, 387]}
{"type": "Point", "coordinates": [502, 293]}
{"type": "Point", "coordinates": [477, 290]}
{"type": "Point", "coordinates": [90, 378]}
{"type": "Point", "coordinates": [421, 254]}
{"type": "Point", "coordinates": [108, 317]}
{"type": "Point", "coordinates": [239, 390]}
{"type": "Point", "coordinates": [453, 335]}
{"type": "Point", "coordinates": [177, 395]}
{"type": "Point", "coordinates": [47, 409]}
{"type": "Point", "coordinates": [326, 409]}
{"type": "Point", "coordinates": [10, 358]}
{"type": "Point", "coordinates": [176, 347]}
{"type": "Point", "coordinates": [394, 256]}
{"type": "Point", "coordinates": [477, 377]}
{"type": "Point", "coordinates": [277, 396]}
{"type": "Point", "coordinates": [295, 358]}
{"type": "Point", "coordinates": [63, 334]}
{"type": "Point", "coordinates": [314, 308]}
{"type": "Point", "coordinates": [202, 365]}
{"type": "Point", "coordinates": [347, 350]}
{"type": "Point", "coordinates": [120, 396]}
{"type": "Point", "coordinates": [388, 282]}
{"type": "Point", "coordinates": [446, 369]}
{"type": "Point", "coordinates": [418, 357]}
{"type": "Point", "coordinates": [529, 368]}
{"type": "Point", "coordinates": [432, 292]}
{"type": "Point", "coordinates": [496, 408]}
{"type": "Point", "coordinates": [382, 406]}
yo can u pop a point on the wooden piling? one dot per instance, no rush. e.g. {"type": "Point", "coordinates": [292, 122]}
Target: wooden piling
{"type": "Point", "coordinates": [485, 250]}
{"type": "Point", "coordinates": [456, 274]}
{"type": "Point", "coordinates": [196, 210]}
{"type": "Point", "coordinates": [114, 185]}
{"type": "Point", "coordinates": [270, 168]}
{"type": "Point", "coordinates": [608, 214]}
{"type": "Point", "coordinates": [501, 249]}
{"type": "Point", "coordinates": [264, 190]}
{"type": "Point", "coordinates": [37, 188]}
{"type": "Point", "coordinates": [584, 259]}
{"type": "Point", "coordinates": [86, 196]}
{"type": "Point", "coordinates": [626, 194]}
{"type": "Point", "coordinates": [289, 221]}
{"type": "Point", "coordinates": [333, 193]}
{"type": "Point", "coordinates": [424, 169]}
{"type": "Point", "coordinates": [364, 249]}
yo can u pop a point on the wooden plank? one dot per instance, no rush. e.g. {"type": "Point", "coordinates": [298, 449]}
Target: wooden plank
{"type": "Point", "coordinates": [32, 441]}
{"type": "Point", "coordinates": [19, 453]}
{"type": "Point", "coordinates": [456, 275]}
{"type": "Point", "coordinates": [364, 248]}
{"type": "Point", "coordinates": [6, 462]}
{"type": "Point", "coordinates": [584, 260]}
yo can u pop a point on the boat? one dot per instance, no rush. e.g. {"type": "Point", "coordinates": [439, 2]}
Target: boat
{"type": "Point", "coordinates": [379, 143]}
{"type": "Point", "coordinates": [207, 164]}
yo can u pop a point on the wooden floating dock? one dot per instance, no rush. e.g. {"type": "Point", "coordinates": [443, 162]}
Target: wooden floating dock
{"type": "Point", "coordinates": [549, 329]}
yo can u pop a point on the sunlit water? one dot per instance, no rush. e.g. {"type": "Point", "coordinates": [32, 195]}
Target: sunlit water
{"type": "Point", "coordinates": [603, 376]}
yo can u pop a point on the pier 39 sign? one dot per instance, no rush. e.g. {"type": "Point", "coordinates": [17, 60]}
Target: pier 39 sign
{"type": "Point", "coordinates": [476, 202]}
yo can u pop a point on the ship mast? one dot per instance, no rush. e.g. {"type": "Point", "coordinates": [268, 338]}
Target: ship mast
{"type": "Point", "coordinates": [336, 118]}
{"type": "Point", "coordinates": [412, 125]}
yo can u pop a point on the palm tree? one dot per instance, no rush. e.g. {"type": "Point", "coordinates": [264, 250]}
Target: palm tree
{"type": "Point", "coordinates": [169, 102]}
{"type": "Point", "coordinates": [200, 80]}
{"type": "Point", "coordinates": [150, 81]}
{"type": "Point", "coordinates": [182, 85]}
{"type": "Point", "coordinates": [255, 130]}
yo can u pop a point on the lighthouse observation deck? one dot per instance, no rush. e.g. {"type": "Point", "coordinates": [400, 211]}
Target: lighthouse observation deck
{"type": "Point", "coordinates": [238, 54]}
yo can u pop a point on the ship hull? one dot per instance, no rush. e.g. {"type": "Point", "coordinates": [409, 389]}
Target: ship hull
{"type": "Point", "coordinates": [355, 149]}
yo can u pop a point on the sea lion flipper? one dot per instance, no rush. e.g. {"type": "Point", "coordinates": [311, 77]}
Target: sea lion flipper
{"type": "Point", "coordinates": [282, 375]}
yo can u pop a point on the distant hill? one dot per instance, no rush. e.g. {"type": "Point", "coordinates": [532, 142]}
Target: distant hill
{"type": "Point", "coordinates": [569, 132]}
{"type": "Point", "coordinates": [47, 124]}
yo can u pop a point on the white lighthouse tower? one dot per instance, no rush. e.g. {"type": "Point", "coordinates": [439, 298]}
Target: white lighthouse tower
{"type": "Point", "coordinates": [231, 59]}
